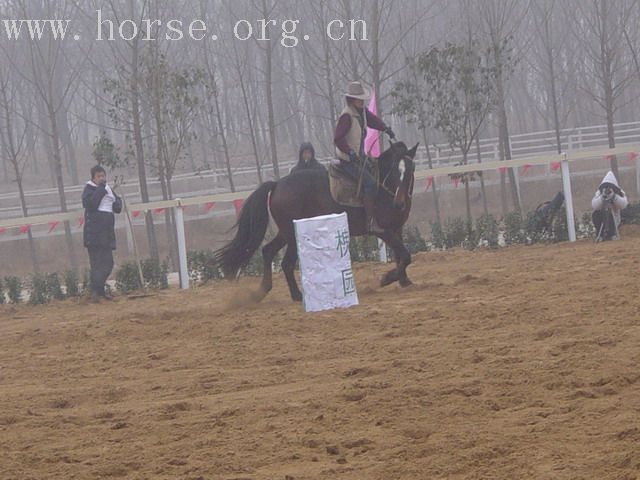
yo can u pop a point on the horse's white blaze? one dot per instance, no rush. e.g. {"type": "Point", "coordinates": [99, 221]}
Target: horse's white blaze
{"type": "Point", "coordinates": [402, 168]}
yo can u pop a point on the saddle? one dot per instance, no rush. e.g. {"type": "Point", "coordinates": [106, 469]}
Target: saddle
{"type": "Point", "coordinates": [344, 189]}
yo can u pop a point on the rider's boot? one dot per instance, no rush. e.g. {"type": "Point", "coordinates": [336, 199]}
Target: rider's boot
{"type": "Point", "coordinates": [370, 214]}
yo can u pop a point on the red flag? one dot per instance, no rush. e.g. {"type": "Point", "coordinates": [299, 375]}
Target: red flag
{"type": "Point", "coordinates": [238, 205]}
{"type": "Point", "coordinates": [456, 181]}
{"type": "Point", "coordinates": [159, 210]}
{"type": "Point", "coordinates": [632, 157]}
{"type": "Point", "coordinates": [525, 168]}
{"type": "Point", "coordinates": [25, 228]}
{"type": "Point", "coordinates": [502, 169]}
{"type": "Point", "coordinates": [429, 183]}
{"type": "Point", "coordinates": [52, 226]}
{"type": "Point", "coordinates": [80, 222]}
{"type": "Point", "coordinates": [209, 206]}
{"type": "Point", "coordinates": [2, 230]}
{"type": "Point", "coordinates": [136, 213]}
{"type": "Point", "coordinates": [555, 166]}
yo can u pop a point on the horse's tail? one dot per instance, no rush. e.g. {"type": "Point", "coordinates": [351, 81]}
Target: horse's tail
{"type": "Point", "coordinates": [251, 229]}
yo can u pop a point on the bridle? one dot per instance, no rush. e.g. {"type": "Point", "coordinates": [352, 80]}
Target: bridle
{"type": "Point", "coordinates": [401, 166]}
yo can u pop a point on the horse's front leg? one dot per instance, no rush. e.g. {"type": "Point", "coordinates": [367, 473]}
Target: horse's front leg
{"type": "Point", "coordinates": [402, 257]}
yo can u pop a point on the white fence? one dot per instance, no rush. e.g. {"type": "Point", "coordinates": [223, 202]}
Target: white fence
{"type": "Point", "coordinates": [179, 204]}
{"type": "Point", "coordinates": [204, 182]}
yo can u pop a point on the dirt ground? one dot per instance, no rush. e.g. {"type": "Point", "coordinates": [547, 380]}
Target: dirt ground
{"type": "Point", "coordinates": [512, 364]}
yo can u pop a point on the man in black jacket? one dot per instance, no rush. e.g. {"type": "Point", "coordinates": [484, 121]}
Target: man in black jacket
{"type": "Point", "coordinates": [307, 159]}
{"type": "Point", "coordinates": [100, 204]}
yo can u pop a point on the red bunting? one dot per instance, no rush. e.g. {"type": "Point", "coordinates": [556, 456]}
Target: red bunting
{"type": "Point", "coordinates": [209, 206]}
{"type": "Point", "coordinates": [25, 228]}
{"type": "Point", "coordinates": [52, 225]}
{"type": "Point", "coordinates": [429, 183]}
{"type": "Point", "coordinates": [80, 221]}
{"type": "Point", "coordinates": [526, 167]}
{"type": "Point", "coordinates": [456, 181]}
{"type": "Point", "coordinates": [159, 210]}
{"type": "Point", "coordinates": [136, 213]}
{"type": "Point", "coordinates": [555, 166]}
{"type": "Point", "coordinates": [238, 205]}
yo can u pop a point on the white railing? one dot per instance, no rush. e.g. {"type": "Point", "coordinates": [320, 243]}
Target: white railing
{"type": "Point", "coordinates": [215, 181]}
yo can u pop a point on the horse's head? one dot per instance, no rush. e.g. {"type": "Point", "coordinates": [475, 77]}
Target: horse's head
{"type": "Point", "coordinates": [397, 171]}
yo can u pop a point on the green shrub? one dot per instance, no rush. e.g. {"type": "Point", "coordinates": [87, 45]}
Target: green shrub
{"type": "Point", "coordinates": [128, 278]}
{"type": "Point", "coordinates": [413, 240]}
{"type": "Point", "coordinates": [202, 266]}
{"type": "Point", "coordinates": [71, 283]}
{"type": "Point", "coordinates": [513, 229]}
{"type": "Point", "coordinates": [155, 273]}
{"type": "Point", "coordinates": [438, 238]}
{"type": "Point", "coordinates": [586, 228]}
{"type": "Point", "coordinates": [38, 293]}
{"type": "Point", "coordinates": [631, 214]}
{"type": "Point", "coordinates": [456, 232]}
{"type": "Point", "coordinates": [86, 281]}
{"type": "Point", "coordinates": [13, 286]}
{"type": "Point", "coordinates": [364, 249]}
{"type": "Point", "coordinates": [54, 287]}
{"type": "Point", "coordinates": [487, 230]}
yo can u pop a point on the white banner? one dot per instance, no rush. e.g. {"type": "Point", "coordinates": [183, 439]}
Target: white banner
{"type": "Point", "coordinates": [325, 262]}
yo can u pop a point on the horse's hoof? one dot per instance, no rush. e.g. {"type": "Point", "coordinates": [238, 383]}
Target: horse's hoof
{"type": "Point", "coordinates": [296, 297]}
{"type": "Point", "coordinates": [406, 283]}
{"type": "Point", "coordinates": [385, 281]}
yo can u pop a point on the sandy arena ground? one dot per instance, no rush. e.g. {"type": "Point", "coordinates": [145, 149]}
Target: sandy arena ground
{"type": "Point", "coordinates": [514, 364]}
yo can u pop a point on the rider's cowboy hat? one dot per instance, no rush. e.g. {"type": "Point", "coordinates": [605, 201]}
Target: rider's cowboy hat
{"type": "Point", "coordinates": [357, 91]}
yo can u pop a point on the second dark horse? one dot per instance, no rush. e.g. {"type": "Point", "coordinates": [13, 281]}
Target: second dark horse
{"type": "Point", "coordinates": [306, 194]}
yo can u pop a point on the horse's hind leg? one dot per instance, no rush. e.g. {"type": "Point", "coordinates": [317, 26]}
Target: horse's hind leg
{"type": "Point", "coordinates": [288, 266]}
{"type": "Point", "coordinates": [269, 251]}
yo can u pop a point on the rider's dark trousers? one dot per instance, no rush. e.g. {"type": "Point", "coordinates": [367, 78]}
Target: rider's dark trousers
{"type": "Point", "coordinates": [354, 170]}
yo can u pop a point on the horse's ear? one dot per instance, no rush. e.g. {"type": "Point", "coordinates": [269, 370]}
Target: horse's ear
{"type": "Point", "coordinates": [412, 153]}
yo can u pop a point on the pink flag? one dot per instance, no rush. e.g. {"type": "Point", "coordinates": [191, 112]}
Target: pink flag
{"type": "Point", "coordinates": [429, 183]}
{"type": "Point", "coordinates": [80, 221]}
{"type": "Point", "coordinates": [525, 168]}
{"type": "Point", "coordinates": [372, 140]}
{"type": "Point", "coordinates": [2, 230]}
{"type": "Point", "coordinates": [52, 226]}
{"type": "Point", "coordinates": [456, 181]}
{"type": "Point", "coordinates": [502, 169]}
{"type": "Point", "coordinates": [209, 206]}
{"type": "Point", "coordinates": [136, 213]}
{"type": "Point", "coordinates": [238, 205]}
{"type": "Point", "coordinates": [555, 166]}
{"type": "Point", "coordinates": [25, 228]}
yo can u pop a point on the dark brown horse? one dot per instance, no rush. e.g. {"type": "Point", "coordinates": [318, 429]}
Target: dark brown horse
{"type": "Point", "coordinates": [306, 194]}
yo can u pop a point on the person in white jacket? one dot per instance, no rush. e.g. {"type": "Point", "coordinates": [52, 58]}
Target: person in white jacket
{"type": "Point", "coordinates": [607, 204]}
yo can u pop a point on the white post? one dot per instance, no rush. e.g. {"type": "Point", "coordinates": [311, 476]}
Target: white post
{"type": "Point", "coordinates": [568, 198]}
{"type": "Point", "coordinates": [182, 247]}
{"type": "Point", "coordinates": [382, 249]}
{"type": "Point", "coordinates": [128, 229]}
{"type": "Point", "coordinates": [638, 174]}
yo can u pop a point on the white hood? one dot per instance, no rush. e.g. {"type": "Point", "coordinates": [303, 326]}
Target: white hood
{"type": "Point", "coordinates": [610, 178]}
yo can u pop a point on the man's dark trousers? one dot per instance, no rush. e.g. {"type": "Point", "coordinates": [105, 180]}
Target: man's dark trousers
{"type": "Point", "coordinates": [101, 261]}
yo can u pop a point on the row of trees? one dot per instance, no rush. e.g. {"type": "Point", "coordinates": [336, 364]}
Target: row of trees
{"type": "Point", "coordinates": [444, 71]}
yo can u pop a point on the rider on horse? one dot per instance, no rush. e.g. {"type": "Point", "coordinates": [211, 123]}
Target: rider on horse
{"type": "Point", "coordinates": [349, 141]}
